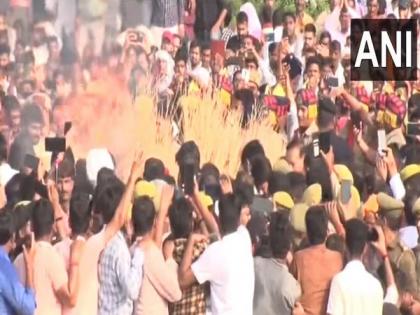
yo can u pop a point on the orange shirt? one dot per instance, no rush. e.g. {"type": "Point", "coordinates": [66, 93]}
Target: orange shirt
{"type": "Point", "coordinates": [301, 22]}
{"type": "Point", "coordinates": [49, 276]}
{"type": "Point", "coordinates": [87, 299]}
{"type": "Point", "coordinates": [314, 268]}
{"type": "Point", "coordinates": [160, 283]}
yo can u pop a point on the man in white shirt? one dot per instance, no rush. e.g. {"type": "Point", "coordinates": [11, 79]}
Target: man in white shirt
{"type": "Point", "coordinates": [227, 264]}
{"type": "Point", "coordinates": [341, 33]}
{"type": "Point", "coordinates": [355, 291]}
{"type": "Point", "coordinates": [195, 69]}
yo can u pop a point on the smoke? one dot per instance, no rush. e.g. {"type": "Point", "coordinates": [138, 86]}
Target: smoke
{"type": "Point", "coordinates": [105, 117]}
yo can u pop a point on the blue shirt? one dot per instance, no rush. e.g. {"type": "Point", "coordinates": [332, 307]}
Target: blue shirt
{"type": "Point", "coordinates": [14, 297]}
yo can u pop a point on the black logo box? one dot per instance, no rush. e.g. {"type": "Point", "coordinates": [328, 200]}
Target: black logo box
{"type": "Point", "coordinates": [374, 28]}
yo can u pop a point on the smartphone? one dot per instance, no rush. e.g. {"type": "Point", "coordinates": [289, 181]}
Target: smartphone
{"type": "Point", "coordinates": [67, 127]}
{"type": "Point", "coordinates": [332, 82]}
{"type": "Point", "coordinates": [413, 128]}
{"type": "Point", "coordinates": [345, 191]}
{"type": "Point", "coordinates": [55, 144]}
{"type": "Point", "coordinates": [382, 147]}
{"type": "Point", "coordinates": [278, 34]}
{"type": "Point", "coordinates": [269, 37]}
{"type": "Point", "coordinates": [31, 162]}
{"type": "Point", "coordinates": [356, 118]}
{"type": "Point", "coordinates": [315, 144]}
{"type": "Point", "coordinates": [325, 141]}
{"type": "Point", "coordinates": [188, 178]}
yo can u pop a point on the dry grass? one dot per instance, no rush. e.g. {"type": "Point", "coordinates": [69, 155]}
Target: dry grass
{"type": "Point", "coordinates": [106, 117]}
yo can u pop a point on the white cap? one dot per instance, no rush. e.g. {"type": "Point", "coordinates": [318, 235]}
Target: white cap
{"type": "Point", "coordinates": [95, 161]}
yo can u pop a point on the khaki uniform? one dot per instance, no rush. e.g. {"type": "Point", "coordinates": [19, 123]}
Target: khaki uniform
{"type": "Point", "coordinates": [404, 260]}
{"type": "Point", "coordinates": [401, 257]}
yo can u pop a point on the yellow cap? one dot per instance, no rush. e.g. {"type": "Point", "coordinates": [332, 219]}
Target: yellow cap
{"type": "Point", "coordinates": [283, 199]}
{"type": "Point", "coordinates": [371, 204]}
{"type": "Point", "coordinates": [355, 200]}
{"type": "Point", "coordinates": [297, 217]}
{"type": "Point", "coordinates": [144, 188]}
{"type": "Point", "coordinates": [282, 166]}
{"type": "Point", "coordinates": [205, 199]}
{"type": "Point", "coordinates": [312, 194]}
{"type": "Point", "coordinates": [343, 172]}
{"type": "Point", "coordinates": [255, 77]}
{"type": "Point", "coordinates": [409, 171]}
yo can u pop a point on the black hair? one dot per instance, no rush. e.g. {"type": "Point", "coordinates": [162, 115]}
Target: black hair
{"type": "Point", "coordinates": [326, 62]}
{"type": "Point", "coordinates": [267, 14]}
{"type": "Point", "coordinates": [104, 176]}
{"type": "Point", "coordinates": [290, 15]}
{"type": "Point", "coordinates": [3, 148]}
{"type": "Point", "coordinates": [325, 119]}
{"type": "Point", "coordinates": [335, 46]}
{"type": "Point", "coordinates": [229, 213]}
{"type": "Point", "coordinates": [143, 215]}
{"type": "Point", "coordinates": [10, 103]}
{"type": "Point", "coordinates": [153, 169]}
{"type": "Point", "coordinates": [277, 17]}
{"type": "Point", "coordinates": [260, 169]}
{"type": "Point", "coordinates": [108, 198]}
{"type": "Point", "coordinates": [316, 222]}
{"type": "Point", "coordinates": [311, 61]}
{"type": "Point", "coordinates": [296, 142]}
{"type": "Point", "coordinates": [244, 188]}
{"type": "Point", "coordinates": [325, 34]}
{"type": "Point", "coordinates": [181, 55]}
{"type": "Point", "coordinates": [181, 218]}
{"type": "Point", "coordinates": [6, 227]}
{"type": "Point", "coordinates": [80, 212]}
{"type": "Point", "coordinates": [356, 237]}
{"type": "Point", "coordinates": [13, 189]}
{"type": "Point", "coordinates": [272, 48]}
{"type": "Point", "coordinates": [280, 232]}
{"type": "Point", "coordinates": [278, 182]}
{"type": "Point", "coordinates": [336, 242]}
{"type": "Point", "coordinates": [31, 113]}
{"type": "Point", "coordinates": [297, 185]}
{"type": "Point", "coordinates": [241, 18]}
{"type": "Point", "coordinates": [188, 151]}
{"type": "Point", "coordinates": [195, 44]}
{"type": "Point", "coordinates": [317, 172]}
{"type": "Point", "coordinates": [251, 149]}
{"type": "Point", "coordinates": [205, 46]}
{"type": "Point", "coordinates": [310, 28]}
{"type": "Point", "coordinates": [42, 218]}
{"type": "Point", "coordinates": [66, 169]}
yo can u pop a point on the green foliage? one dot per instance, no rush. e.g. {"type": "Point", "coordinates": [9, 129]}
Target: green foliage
{"type": "Point", "coordinates": [315, 7]}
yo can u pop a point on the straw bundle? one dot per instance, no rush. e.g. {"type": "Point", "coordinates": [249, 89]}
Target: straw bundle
{"type": "Point", "coordinates": [220, 137]}
{"type": "Point", "coordinates": [106, 117]}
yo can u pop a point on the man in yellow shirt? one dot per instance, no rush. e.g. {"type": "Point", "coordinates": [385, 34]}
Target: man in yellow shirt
{"type": "Point", "coordinates": [302, 18]}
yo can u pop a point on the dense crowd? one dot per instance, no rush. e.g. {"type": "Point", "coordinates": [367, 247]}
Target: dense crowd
{"type": "Point", "coordinates": [331, 227]}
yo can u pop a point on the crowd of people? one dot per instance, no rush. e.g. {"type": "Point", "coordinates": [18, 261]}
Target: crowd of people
{"type": "Point", "coordinates": [331, 227]}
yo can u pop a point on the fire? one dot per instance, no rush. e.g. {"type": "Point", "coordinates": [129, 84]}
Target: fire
{"type": "Point", "coordinates": [105, 116]}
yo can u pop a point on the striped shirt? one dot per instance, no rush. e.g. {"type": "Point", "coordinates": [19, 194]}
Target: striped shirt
{"type": "Point", "coordinates": [168, 13]}
{"type": "Point", "coordinates": [120, 277]}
